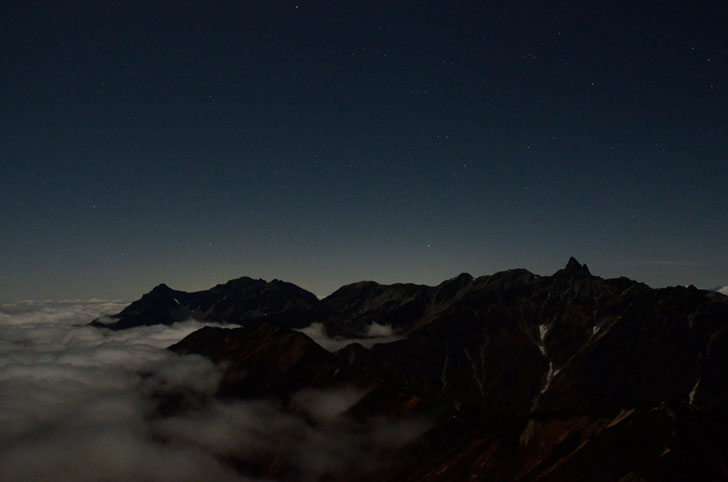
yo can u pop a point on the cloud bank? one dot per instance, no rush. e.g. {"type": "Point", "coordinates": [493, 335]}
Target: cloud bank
{"type": "Point", "coordinates": [373, 334]}
{"type": "Point", "coordinates": [79, 403]}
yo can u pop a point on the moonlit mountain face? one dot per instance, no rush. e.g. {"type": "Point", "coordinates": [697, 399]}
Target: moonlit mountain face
{"type": "Point", "coordinates": [511, 376]}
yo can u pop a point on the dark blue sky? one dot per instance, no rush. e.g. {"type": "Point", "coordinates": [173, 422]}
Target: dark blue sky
{"type": "Point", "coordinates": [329, 142]}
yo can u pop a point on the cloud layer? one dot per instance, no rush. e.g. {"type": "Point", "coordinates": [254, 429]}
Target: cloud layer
{"type": "Point", "coordinates": [374, 334]}
{"type": "Point", "coordinates": [75, 401]}
{"type": "Point", "coordinates": [79, 403]}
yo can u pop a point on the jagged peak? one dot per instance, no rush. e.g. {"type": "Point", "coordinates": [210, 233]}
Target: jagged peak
{"type": "Point", "coordinates": [243, 280]}
{"type": "Point", "coordinates": [461, 277]}
{"type": "Point", "coordinates": [360, 285]}
{"type": "Point", "coordinates": [161, 288]}
{"type": "Point", "coordinates": [277, 283]}
{"type": "Point", "coordinates": [574, 267]}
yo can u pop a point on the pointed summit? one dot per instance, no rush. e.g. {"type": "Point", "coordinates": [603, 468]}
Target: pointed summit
{"type": "Point", "coordinates": [460, 279]}
{"type": "Point", "coordinates": [574, 267]}
{"type": "Point", "coordinates": [161, 289]}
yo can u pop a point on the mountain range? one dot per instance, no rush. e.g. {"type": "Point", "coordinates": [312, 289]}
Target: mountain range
{"type": "Point", "coordinates": [238, 301]}
{"type": "Point", "coordinates": [519, 376]}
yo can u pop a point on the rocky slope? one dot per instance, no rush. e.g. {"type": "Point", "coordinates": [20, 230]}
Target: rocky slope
{"type": "Point", "coordinates": [522, 377]}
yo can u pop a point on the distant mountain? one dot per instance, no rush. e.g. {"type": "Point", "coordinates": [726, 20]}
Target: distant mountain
{"type": "Point", "coordinates": [353, 307]}
{"type": "Point", "coordinates": [407, 307]}
{"type": "Point", "coordinates": [523, 377]}
{"type": "Point", "coordinates": [239, 301]}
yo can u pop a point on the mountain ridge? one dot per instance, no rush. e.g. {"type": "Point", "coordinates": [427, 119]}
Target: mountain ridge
{"type": "Point", "coordinates": [522, 377]}
{"type": "Point", "coordinates": [237, 301]}
{"type": "Point", "coordinates": [244, 299]}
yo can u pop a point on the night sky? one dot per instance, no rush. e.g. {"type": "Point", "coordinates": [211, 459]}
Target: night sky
{"type": "Point", "coordinates": [324, 143]}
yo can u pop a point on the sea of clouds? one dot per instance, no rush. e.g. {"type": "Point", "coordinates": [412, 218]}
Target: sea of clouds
{"type": "Point", "coordinates": [373, 334]}
{"type": "Point", "coordinates": [79, 403]}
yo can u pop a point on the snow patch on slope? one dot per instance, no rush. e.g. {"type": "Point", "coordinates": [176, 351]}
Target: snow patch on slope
{"type": "Point", "coordinates": [691, 395]}
{"type": "Point", "coordinates": [543, 329]}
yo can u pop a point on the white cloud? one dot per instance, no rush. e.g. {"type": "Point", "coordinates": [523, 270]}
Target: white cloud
{"type": "Point", "coordinates": [74, 400]}
{"type": "Point", "coordinates": [375, 330]}
{"type": "Point", "coordinates": [79, 403]}
{"type": "Point", "coordinates": [326, 405]}
{"type": "Point", "coordinates": [373, 334]}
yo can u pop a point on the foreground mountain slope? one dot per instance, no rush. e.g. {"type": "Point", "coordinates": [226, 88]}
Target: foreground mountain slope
{"type": "Point", "coordinates": [262, 360]}
{"type": "Point", "coordinates": [523, 377]}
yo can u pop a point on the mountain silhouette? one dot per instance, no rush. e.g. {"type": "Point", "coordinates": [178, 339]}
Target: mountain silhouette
{"type": "Point", "coordinates": [523, 377]}
{"type": "Point", "coordinates": [238, 301]}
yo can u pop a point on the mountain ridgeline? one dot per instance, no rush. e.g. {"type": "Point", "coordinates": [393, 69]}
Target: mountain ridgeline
{"type": "Point", "coordinates": [239, 301]}
{"type": "Point", "coordinates": [521, 377]}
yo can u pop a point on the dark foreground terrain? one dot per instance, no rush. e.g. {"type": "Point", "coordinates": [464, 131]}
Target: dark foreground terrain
{"type": "Point", "coordinates": [515, 376]}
